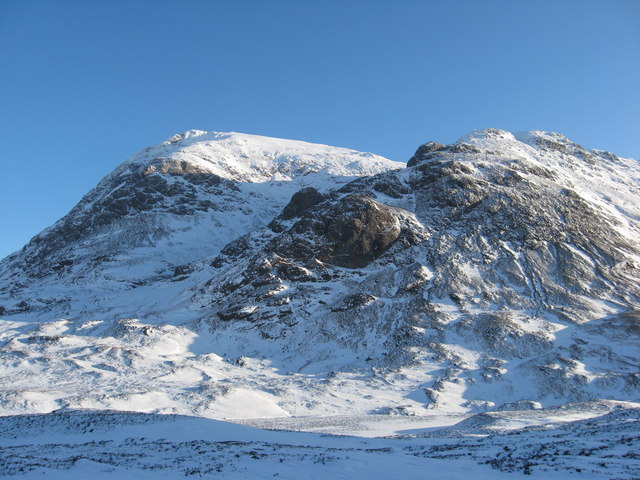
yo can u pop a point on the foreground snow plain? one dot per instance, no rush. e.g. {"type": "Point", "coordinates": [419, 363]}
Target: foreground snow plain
{"type": "Point", "coordinates": [92, 444]}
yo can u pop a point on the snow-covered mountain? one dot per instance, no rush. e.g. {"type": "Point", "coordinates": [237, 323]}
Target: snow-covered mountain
{"type": "Point", "coordinates": [235, 276]}
{"type": "Point", "coordinates": [167, 206]}
{"type": "Point", "coordinates": [499, 271]}
{"type": "Point", "coordinates": [480, 304]}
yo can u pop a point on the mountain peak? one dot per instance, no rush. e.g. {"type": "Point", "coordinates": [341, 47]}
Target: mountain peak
{"type": "Point", "coordinates": [478, 136]}
{"type": "Point", "coordinates": [181, 136]}
{"type": "Point", "coordinates": [493, 138]}
{"type": "Point", "coordinates": [211, 186]}
{"type": "Point", "coordinates": [253, 158]}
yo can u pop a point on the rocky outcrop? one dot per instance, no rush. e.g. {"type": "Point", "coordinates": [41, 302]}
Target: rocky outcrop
{"type": "Point", "coordinates": [350, 232]}
{"type": "Point", "coordinates": [423, 151]}
{"type": "Point", "coordinates": [301, 201]}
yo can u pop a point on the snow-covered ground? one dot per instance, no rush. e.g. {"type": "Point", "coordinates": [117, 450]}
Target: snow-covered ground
{"type": "Point", "coordinates": [84, 444]}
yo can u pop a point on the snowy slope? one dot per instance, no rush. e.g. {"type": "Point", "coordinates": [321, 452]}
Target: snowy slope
{"type": "Point", "coordinates": [230, 276]}
{"type": "Point", "coordinates": [491, 272]}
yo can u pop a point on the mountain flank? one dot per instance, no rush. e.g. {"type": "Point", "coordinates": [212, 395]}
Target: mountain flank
{"type": "Point", "coordinates": [230, 275]}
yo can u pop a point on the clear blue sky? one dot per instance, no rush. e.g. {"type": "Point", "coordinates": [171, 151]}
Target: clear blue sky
{"type": "Point", "coordinates": [84, 83]}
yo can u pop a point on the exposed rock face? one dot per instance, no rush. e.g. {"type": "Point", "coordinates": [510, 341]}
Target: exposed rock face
{"type": "Point", "coordinates": [301, 202]}
{"type": "Point", "coordinates": [349, 233]}
{"type": "Point", "coordinates": [134, 199]}
{"type": "Point", "coordinates": [423, 151]}
{"type": "Point", "coordinates": [358, 231]}
{"type": "Point", "coordinates": [518, 227]}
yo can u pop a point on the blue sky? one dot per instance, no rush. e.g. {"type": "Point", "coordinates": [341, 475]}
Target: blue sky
{"type": "Point", "coordinates": [84, 84]}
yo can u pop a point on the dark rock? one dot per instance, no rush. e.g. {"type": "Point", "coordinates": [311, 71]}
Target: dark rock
{"type": "Point", "coordinates": [351, 233]}
{"type": "Point", "coordinates": [62, 264]}
{"type": "Point", "coordinates": [43, 339]}
{"type": "Point", "coordinates": [235, 248]}
{"type": "Point", "coordinates": [131, 194]}
{"type": "Point", "coordinates": [23, 306]}
{"type": "Point", "coordinates": [291, 271]}
{"type": "Point", "coordinates": [464, 148]}
{"type": "Point", "coordinates": [354, 301]}
{"type": "Point", "coordinates": [182, 270]}
{"type": "Point", "coordinates": [391, 186]}
{"type": "Point", "coordinates": [423, 151]}
{"type": "Point", "coordinates": [237, 312]}
{"type": "Point", "coordinates": [300, 202]}
{"type": "Point", "coordinates": [357, 232]}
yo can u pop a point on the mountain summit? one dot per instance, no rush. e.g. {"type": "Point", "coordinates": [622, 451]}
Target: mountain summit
{"type": "Point", "coordinates": [228, 275]}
